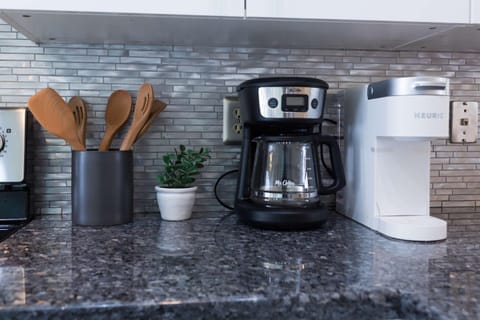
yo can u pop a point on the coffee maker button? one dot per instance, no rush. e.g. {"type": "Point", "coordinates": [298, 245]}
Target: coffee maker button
{"type": "Point", "coordinates": [272, 103]}
{"type": "Point", "coordinates": [314, 103]}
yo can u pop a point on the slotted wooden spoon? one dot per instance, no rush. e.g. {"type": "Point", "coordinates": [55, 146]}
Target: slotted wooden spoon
{"type": "Point", "coordinates": [118, 110]}
{"type": "Point", "coordinates": [157, 107]}
{"type": "Point", "coordinates": [143, 107]}
{"type": "Point", "coordinates": [55, 116]}
{"type": "Point", "coordinates": [79, 110]}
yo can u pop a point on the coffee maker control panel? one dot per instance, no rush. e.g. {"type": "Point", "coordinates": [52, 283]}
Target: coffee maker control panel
{"type": "Point", "coordinates": [291, 102]}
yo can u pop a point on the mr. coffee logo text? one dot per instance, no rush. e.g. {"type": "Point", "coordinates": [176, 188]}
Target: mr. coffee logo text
{"type": "Point", "coordinates": [284, 183]}
{"type": "Point", "coordinates": [429, 115]}
{"type": "Point", "coordinates": [293, 90]}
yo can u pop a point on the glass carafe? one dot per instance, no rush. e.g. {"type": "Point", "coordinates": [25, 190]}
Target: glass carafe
{"type": "Point", "coordinates": [285, 171]}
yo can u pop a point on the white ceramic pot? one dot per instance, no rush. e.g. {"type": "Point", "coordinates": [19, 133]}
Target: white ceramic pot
{"type": "Point", "coordinates": [175, 204]}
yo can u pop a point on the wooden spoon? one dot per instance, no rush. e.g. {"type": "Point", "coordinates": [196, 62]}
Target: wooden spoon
{"type": "Point", "coordinates": [118, 110]}
{"type": "Point", "coordinates": [79, 110]}
{"type": "Point", "coordinates": [143, 106]}
{"type": "Point", "coordinates": [54, 114]}
{"type": "Point", "coordinates": [157, 107]}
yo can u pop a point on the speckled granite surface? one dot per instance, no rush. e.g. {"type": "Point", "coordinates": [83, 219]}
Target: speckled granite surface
{"type": "Point", "coordinates": [216, 268]}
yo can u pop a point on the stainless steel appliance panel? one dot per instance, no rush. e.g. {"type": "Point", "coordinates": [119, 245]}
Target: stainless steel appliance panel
{"type": "Point", "coordinates": [274, 102]}
{"type": "Point", "coordinates": [12, 144]}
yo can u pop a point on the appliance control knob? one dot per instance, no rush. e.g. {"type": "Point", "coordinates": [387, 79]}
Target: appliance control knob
{"type": "Point", "coordinates": [272, 103]}
{"type": "Point", "coordinates": [2, 142]}
{"type": "Point", "coordinates": [314, 103]}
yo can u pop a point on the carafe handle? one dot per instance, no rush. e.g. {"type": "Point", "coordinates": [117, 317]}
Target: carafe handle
{"type": "Point", "coordinates": [338, 175]}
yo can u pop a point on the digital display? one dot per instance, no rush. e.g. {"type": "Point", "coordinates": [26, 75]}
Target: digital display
{"type": "Point", "coordinates": [295, 103]}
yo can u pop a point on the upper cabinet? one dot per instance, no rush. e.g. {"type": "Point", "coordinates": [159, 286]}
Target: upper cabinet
{"type": "Point", "coordinates": [435, 11]}
{"type": "Point", "coordinates": [475, 11]}
{"type": "Point", "coordinates": [229, 8]}
{"type": "Point", "coordinates": [367, 24]}
{"type": "Point", "coordinates": [338, 24]}
{"type": "Point", "coordinates": [464, 37]}
{"type": "Point", "coordinates": [186, 22]}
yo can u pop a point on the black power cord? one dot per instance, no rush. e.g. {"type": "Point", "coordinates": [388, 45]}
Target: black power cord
{"type": "Point", "coordinates": [216, 185]}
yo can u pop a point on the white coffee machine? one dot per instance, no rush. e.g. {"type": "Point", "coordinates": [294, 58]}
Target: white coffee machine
{"type": "Point", "coordinates": [388, 128]}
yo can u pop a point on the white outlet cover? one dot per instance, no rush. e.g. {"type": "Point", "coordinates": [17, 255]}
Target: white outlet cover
{"type": "Point", "coordinates": [463, 122]}
{"type": "Point", "coordinates": [231, 122]}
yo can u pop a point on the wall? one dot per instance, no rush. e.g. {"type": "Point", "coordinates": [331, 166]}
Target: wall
{"type": "Point", "coordinates": [193, 81]}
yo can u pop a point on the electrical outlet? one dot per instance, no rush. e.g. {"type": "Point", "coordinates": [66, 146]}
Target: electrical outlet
{"type": "Point", "coordinates": [232, 121]}
{"type": "Point", "coordinates": [463, 122]}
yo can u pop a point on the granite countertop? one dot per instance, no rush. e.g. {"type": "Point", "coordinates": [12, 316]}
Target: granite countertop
{"type": "Point", "coordinates": [217, 268]}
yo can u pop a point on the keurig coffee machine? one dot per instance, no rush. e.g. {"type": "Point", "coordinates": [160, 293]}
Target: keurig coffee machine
{"type": "Point", "coordinates": [281, 180]}
{"type": "Point", "coordinates": [389, 126]}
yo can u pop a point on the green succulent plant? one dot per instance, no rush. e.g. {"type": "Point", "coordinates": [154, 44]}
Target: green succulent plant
{"type": "Point", "coordinates": [182, 166]}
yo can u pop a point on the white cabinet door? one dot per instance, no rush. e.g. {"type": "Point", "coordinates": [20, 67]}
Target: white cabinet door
{"type": "Point", "coordinates": [173, 7]}
{"type": "Point", "coordinates": [440, 11]}
{"type": "Point", "coordinates": [475, 11]}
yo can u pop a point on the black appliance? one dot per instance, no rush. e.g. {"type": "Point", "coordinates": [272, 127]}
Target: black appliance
{"type": "Point", "coordinates": [281, 178]}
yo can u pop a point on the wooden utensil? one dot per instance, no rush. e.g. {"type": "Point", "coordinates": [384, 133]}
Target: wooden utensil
{"type": "Point", "coordinates": [118, 110]}
{"type": "Point", "coordinates": [54, 114]}
{"type": "Point", "coordinates": [157, 107]}
{"type": "Point", "coordinates": [79, 110]}
{"type": "Point", "coordinates": [143, 106]}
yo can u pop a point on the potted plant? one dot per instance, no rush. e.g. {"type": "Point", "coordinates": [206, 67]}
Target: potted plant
{"type": "Point", "coordinates": [175, 193]}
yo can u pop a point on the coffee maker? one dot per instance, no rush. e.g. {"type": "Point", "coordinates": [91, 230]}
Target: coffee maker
{"type": "Point", "coordinates": [389, 126]}
{"type": "Point", "coordinates": [281, 180]}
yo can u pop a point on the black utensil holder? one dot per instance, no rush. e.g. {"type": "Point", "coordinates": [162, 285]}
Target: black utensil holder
{"type": "Point", "coordinates": [102, 187]}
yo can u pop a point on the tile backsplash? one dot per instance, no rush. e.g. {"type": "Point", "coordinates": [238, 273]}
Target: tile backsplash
{"type": "Point", "coordinates": [193, 82]}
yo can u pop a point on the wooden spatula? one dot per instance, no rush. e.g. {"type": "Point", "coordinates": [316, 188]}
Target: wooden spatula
{"type": "Point", "coordinates": [158, 106]}
{"type": "Point", "coordinates": [54, 114]}
{"type": "Point", "coordinates": [118, 110]}
{"type": "Point", "coordinates": [143, 106]}
{"type": "Point", "coordinates": [79, 110]}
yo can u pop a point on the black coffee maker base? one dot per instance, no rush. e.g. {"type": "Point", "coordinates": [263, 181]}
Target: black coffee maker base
{"type": "Point", "coordinates": [281, 218]}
